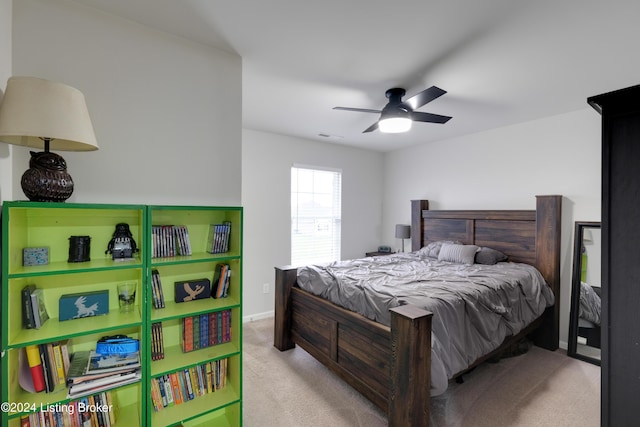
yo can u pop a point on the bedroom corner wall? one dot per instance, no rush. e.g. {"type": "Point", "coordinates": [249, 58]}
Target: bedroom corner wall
{"type": "Point", "coordinates": [504, 169]}
{"type": "Point", "coordinates": [266, 196]}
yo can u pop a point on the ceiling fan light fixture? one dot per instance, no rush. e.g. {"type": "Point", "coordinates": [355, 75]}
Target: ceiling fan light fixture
{"type": "Point", "coordinates": [394, 125]}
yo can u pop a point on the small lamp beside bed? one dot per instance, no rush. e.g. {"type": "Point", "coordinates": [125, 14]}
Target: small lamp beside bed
{"type": "Point", "coordinates": [403, 232]}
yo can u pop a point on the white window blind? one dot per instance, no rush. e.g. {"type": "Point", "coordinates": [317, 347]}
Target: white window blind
{"type": "Point", "coordinates": [316, 211]}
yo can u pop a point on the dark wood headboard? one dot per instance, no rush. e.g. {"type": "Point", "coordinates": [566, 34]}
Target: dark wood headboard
{"type": "Point", "coordinates": [527, 236]}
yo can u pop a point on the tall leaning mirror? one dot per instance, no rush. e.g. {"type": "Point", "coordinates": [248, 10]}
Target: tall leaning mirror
{"type": "Point", "coordinates": [584, 319]}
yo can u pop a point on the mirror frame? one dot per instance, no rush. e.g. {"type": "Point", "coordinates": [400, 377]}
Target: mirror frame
{"type": "Point", "coordinates": [572, 345]}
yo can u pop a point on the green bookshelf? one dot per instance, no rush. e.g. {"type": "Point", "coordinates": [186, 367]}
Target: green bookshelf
{"type": "Point", "coordinates": [224, 405]}
{"type": "Point", "coordinates": [35, 224]}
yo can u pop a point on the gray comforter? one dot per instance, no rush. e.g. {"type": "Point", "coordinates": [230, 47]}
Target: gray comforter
{"type": "Point", "coordinates": [474, 307]}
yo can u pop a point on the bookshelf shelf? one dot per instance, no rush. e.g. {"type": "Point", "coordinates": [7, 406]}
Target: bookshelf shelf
{"type": "Point", "coordinates": [173, 310]}
{"type": "Point", "coordinates": [50, 225]}
{"type": "Point", "coordinates": [174, 354]}
{"type": "Point", "coordinates": [54, 330]}
{"type": "Point", "coordinates": [202, 405]}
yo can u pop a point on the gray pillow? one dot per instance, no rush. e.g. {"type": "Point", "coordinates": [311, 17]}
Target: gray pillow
{"type": "Point", "coordinates": [433, 249]}
{"type": "Point", "coordinates": [489, 256]}
{"type": "Point", "coordinates": [461, 254]}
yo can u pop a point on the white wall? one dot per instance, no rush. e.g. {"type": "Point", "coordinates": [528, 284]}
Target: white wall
{"type": "Point", "coordinates": [167, 115]}
{"type": "Point", "coordinates": [5, 73]}
{"type": "Point", "coordinates": [266, 197]}
{"type": "Point", "coordinates": [504, 169]}
{"type": "Point", "coordinates": [166, 111]}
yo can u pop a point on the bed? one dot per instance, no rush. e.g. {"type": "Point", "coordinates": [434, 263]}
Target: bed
{"type": "Point", "coordinates": [390, 364]}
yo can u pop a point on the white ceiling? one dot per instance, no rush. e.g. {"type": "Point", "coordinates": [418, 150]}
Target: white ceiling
{"type": "Point", "coordinates": [501, 61]}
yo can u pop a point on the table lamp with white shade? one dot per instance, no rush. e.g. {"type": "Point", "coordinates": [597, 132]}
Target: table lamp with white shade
{"type": "Point", "coordinates": [42, 114]}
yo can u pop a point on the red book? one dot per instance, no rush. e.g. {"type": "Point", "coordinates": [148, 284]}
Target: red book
{"type": "Point", "coordinates": [187, 335]}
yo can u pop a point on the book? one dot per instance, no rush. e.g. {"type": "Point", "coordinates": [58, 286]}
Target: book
{"type": "Point", "coordinates": [28, 321]}
{"type": "Point", "coordinates": [195, 320]}
{"type": "Point", "coordinates": [186, 240]}
{"type": "Point", "coordinates": [99, 363]}
{"type": "Point", "coordinates": [40, 314]}
{"type": "Point", "coordinates": [90, 388]}
{"type": "Point", "coordinates": [189, 383]}
{"type": "Point", "coordinates": [113, 407]}
{"type": "Point", "coordinates": [220, 280]}
{"type": "Point", "coordinates": [64, 349]}
{"type": "Point", "coordinates": [77, 366]}
{"type": "Point", "coordinates": [156, 289]}
{"type": "Point", "coordinates": [187, 334]}
{"type": "Point", "coordinates": [49, 381]}
{"type": "Point", "coordinates": [168, 390]}
{"type": "Point", "coordinates": [157, 343]}
{"type": "Point", "coordinates": [204, 330]}
{"type": "Point", "coordinates": [155, 395]}
{"type": "Point", "coordinates": [100, 414]}
{"type": "Point", "coordinates": [59, 364]}
{"type": "Point", "coordinates": [112, 378]}
{"type": "Point", "coordinates": [175, 385]}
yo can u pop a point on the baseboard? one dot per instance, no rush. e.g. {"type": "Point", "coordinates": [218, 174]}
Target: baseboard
{"type": "Point", "coordinates": [258, 316]}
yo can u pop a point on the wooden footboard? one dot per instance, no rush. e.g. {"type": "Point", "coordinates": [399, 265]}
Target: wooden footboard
{"type": "Point", "coordinates": [389, 365]}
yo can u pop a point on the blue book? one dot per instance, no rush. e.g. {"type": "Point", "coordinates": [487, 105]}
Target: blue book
{"type": "Point", "coordinates": [204, 330]}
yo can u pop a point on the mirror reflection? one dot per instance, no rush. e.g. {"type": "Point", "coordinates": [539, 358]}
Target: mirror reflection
{"type": "Point", "coordinates": [584, 321]}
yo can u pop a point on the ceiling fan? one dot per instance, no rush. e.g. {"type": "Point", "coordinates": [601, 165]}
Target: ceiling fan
{"type": "Point", "coordinates": [398, 115]}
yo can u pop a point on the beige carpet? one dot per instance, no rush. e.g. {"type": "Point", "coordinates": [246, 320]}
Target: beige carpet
{"type": "Point", "coordinates": [539, 388]}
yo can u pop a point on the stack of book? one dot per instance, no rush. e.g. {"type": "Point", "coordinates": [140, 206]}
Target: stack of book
{"type": "Point", "coordinates": [34, 312]}
{"type": "Point", "coordinates": [206, 330]}
{"type": "Point", "coordinates": [187, 384]}
{"type": "Point", "coordinates": [170, 240]}
{"type": "Point", "coordinates": [218, 238]}
{"type": "Point", "coordinates": [156, 289]}
{"type": "Point", "coordinates": [91, 372]}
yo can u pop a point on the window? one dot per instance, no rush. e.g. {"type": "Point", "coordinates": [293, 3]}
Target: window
{"type": "Point", "coordinates": [315, 215]}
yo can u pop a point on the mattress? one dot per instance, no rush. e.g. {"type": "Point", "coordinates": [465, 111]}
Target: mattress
{"type": "Point", "coordinates": [474, 306]}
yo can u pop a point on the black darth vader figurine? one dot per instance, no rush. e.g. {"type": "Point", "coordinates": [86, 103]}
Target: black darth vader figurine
{"type": "Point", "coordinates": [122, 245]}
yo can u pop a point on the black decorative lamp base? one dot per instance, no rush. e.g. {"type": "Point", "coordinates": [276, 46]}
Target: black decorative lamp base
{"type": "Point", "coordinates": [47, 179]}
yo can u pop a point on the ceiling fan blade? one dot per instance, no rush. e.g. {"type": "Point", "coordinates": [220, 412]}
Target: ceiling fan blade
{"type": "Point", "coordinates": [360, 110]}
{"type": "Point", "coordinates": [424, 97]}
{"type": "Point", "coordinates": [418, 116]}
{"type": "Point", "coordinates": [371, 128]}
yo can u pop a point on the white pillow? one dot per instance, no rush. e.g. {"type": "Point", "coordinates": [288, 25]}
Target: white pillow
{"type": "Point", "coordinates": [461, 254]}
{"type": "Point", "coordinates": [433, 249]}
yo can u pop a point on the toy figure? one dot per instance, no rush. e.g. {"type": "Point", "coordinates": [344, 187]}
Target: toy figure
{"type": "Point", "coordinates": [122, 245]}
